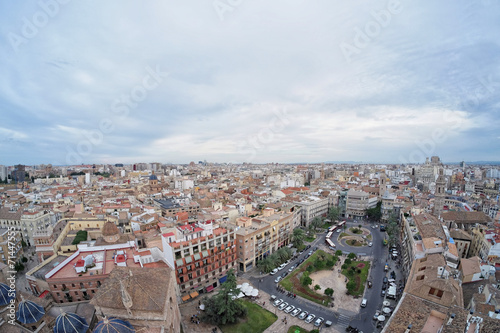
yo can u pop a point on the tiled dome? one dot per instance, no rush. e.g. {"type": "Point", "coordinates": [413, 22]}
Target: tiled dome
{"type": "Point", "coordinates": [29, 312]}
{"type": "Point", "coordinates": [4, 294]}
{"type": "Point", "coordinates": [113, 325]}
{"type": "Point", "coordinates": [70, 323]}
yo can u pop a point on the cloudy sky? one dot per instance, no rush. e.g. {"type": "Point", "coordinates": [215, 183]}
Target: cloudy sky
{"type": "Point", "coordinates": [249, 81]}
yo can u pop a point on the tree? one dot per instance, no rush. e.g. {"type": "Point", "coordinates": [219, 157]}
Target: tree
{"type": "Point", "coordinates": [24, 259]}
{"type": "Point", "coordinates": [347, 261]}
{"type": "Point", "coordinates": [329, 291]}
{"type": "Point", "coordinates": [317, 287]}
{"type": "Point", "coordinates": [298, 237]}
{"type": "Point", "coordinates": [20, 267]}
{"type": "Point", "coordinates": [351, 255]}
{"type": "Point", "coordinates": [333, 214]}
{"type": "Point", "coordinates": [392, 229]}
{"type": "Point", "coordinates": [305, 280]}
{"type": "Point", "coordinates": [266, 265]}
{"type": "Point", "coordinates": [222, 309]}
{"type": "Point", "coordinates": [375, 213]}
{"type": "Point", "coordinates": [319, 264]}
{"type": "Point", "coordinates": [338, 252]}
{"type": "Point", "coordinates": [316, 222]}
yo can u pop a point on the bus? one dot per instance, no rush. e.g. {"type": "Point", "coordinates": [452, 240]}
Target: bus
{"type": "Point", "coordinates": [329, 235]}
{"type": "Point", "coordinates": [329, 243]}
{"type": "Point", "coordinates": [341, 224]}
{"type": "Point", "coordinates": [332, 228]}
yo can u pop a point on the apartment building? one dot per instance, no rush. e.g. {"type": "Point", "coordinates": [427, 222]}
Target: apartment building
{"type": "Point", "coordinates": [201, 254]}
{"type": "Point", "coordinates": [170, 207]}
{"type": "Point", "coordinates": [258, 237]}
{"type": "Point", "coordinates": [311, 207]}
{"type": "Point", "coordinates": [10, 246]}
{"type": "Point", "coordinates": [358, 202]}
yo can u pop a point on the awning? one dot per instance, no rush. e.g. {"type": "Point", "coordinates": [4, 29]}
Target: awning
{"type": "Point", "coordinates": [197, 256]}
{"type": "Point", "coordinates": [210, 288]}
{"type": "Point", "coordinates": [223, 279]}
{"type": "Point", "coordinates": [42, 295]}
{"type": "Point", "coordinates": [188, 259]}
{"type": "Point", "coordinates": [185, 298]}
{"type": "Point", "coordinates": [194, 294]}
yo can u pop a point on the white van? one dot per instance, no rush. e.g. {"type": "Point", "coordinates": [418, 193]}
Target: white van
{"type": "Point", "coordinates": [363, 302]}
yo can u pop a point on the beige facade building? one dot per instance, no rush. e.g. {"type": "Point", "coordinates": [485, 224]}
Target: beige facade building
{"type": "Point", "coordinates": [358, 202]}
{"type": "Point", "coordinates": [258, 237]}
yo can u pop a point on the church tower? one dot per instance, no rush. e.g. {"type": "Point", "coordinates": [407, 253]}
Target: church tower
{"type": "Point", "coordinates": [382, 184]}
{"type": "Point", "coordinates": [439, 194]}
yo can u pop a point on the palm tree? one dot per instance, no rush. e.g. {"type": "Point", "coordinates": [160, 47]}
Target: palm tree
{"type": "Point", "coordinates": [266, 264]}
{"type": "Point", "coordinates": [298, 237]}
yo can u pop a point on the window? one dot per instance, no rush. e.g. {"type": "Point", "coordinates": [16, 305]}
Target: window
{"type": "Point", "coordinates": [420, 277]}
{"type": "Point", "coordinates": [421, 268]}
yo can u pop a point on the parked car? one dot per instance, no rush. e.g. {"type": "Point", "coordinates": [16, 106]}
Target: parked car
{"type": "Point", "coordinates": [318, 322]}
{"type": "Point", "coordinates": [273, 298]}
{"type": "Point", "coordinates": [292, 268]}
{"type": "Point", "coordinates": [384, 287]}
{"type": "Point", "coordinates": [296, 312]}
{"type": "Point", "coordinates": [301, 260]}
{"type": "Point", "coordinates": [302, 315]}
{"type": "Point", "coordinates": [283, 305]}
{"type": "Point", "coordinates": [328, 323]}
{"type": "Point", "coordinates": [284, 274]}
{"type": "Point", "coordinates": [274, 271]}
{"type": "Point", "coordinates": [289, 308]}
{"type": "Point", "coordinates": [370, 244]}
{"type": "Point", "coordinates": [281, 266]}
{"type": "Point", "coordinates": [315, 248]}
{"type": "Point", "coordinates": [369, 284]}
{"type": "Point", "coordinates": [310, 318]}
{"type": "Point", "coordinates": [278, 279]}
{"type": "Point", "coordinates": [278, 302]}
{"type": "Point", "coordinates": [363, 302]}
{"type": "Point", "coordinates": [385, 280]}
{"type": "Point", "coordinates": [382, 293]}
{"type": "Point", "coordinates": [339, 230]}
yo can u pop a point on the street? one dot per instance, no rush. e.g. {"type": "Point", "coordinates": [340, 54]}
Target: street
{"type": "Point", "coordinates": [341, 319]}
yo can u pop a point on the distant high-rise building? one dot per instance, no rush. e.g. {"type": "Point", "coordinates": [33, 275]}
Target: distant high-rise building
{"type": "Point", "coordinates": [3, 172]}
{"type": "Point", "coordinates": [19, 173]}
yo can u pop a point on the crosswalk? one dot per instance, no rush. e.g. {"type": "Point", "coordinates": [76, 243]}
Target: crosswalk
{"type": "Point", "coordinates": [343, 321]}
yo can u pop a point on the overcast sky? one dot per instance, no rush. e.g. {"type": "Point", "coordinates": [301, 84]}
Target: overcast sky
{"type": "Point", "coordinates": [249, 81]}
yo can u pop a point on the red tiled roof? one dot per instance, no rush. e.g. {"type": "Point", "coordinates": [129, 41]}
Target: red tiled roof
{"type": "Point", "coordinates": [80, 263]}
{"type": "Point", "coordinates": [168, 234]}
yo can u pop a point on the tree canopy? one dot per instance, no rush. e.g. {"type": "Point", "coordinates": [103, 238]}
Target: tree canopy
{"type": "Point", "coordinates": [222, 309]}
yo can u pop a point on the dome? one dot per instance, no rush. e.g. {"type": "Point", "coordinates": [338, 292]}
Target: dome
{"type": "Point", "coordinates": [153, 177]}
{"type": "Point", "coordinates": [110, 229]}
{"type": "Point", "coordinates": [70, 323]}
{"type": "Point", "coordinates": [4, 294]}
{"type": "Point", "coordinates": [113, 325]}
{"type": "Point", "coordinates": [29, 312]}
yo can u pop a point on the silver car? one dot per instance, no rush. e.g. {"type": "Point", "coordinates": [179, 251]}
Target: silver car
{"type": "Point", "coordinates": [289, 308]}
{"type": "Point", "coordinates": [283, 305]}
{"type": "Point", "coordinates": [296, 312]}
{"type": "Point", "coordinates": [278, 302]}
{"type": "Point", "coordinates": [310, 318]}
{"type": "Point", "coordinates": [302, 315]}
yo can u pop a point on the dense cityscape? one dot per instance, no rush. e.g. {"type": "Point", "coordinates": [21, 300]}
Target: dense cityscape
{"type": "Point", "coordinates": [232, 166]}
{"type": "Point", "coordinates": [152, 245]}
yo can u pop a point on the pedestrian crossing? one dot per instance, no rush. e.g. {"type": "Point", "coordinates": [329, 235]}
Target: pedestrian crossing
{"type": "Point", "coordinates": [343, 321]}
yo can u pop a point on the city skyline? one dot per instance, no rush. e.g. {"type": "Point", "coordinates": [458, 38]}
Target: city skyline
{"type": "Point", "coordinates": [383, 82]}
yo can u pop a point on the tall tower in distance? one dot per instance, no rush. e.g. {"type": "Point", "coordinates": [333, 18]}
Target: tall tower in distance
{"type": "Point", "coordinates": [382, 184]}
{"type": "Point", "coordinates": [439, 194]}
